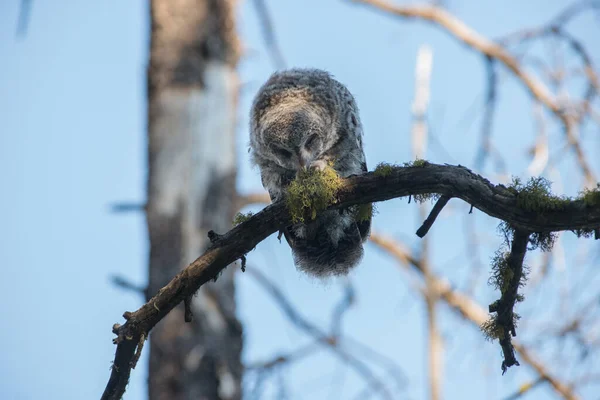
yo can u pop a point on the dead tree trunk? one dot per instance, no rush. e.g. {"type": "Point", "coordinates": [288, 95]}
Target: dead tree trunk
{"type": "Point", "coordinates": [192, 90]}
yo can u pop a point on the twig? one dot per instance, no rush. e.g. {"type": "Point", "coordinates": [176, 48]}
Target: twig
{"type": "Point", "coordinates": [435, 211]}
{"type": "Point", "coordinates": [123, 283]}
{"type": "Point", "coordinates": [486, 148]}
{"type": "Point", "coordinates": [573, 10]}
{"type": "Point", "coordinates": [138, 352]}
{"type": "Point", "coordinates": [292, 356]}
{"type": "Point", "coordinates": [555, 30]}
{"type": "Point", "coordinates": [127, 207]}
{"type": "Point", "coordinates": [341, 308]}
{"type": "Point", "coordinates": [268, 32]}
{"type": "Point", "coordinates": [188, 315]}
{"type": "Point", "coordinates": [24, 17]}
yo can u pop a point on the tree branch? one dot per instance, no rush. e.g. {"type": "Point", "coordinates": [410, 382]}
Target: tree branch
{"type": "Point", "coordinates": [435, 211]}
{"type": "Point", "coordinates": [471, 311]}
{"type": "Point", "coordinates": [491, 49]}
{"type": "Point", "coordinates": [453, 181]}
{"type": "Point", "coordinates": [512, 276]}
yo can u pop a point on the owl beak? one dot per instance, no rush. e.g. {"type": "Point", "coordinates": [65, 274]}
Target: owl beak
{"type": "Point", "coordinates": [303, 162]}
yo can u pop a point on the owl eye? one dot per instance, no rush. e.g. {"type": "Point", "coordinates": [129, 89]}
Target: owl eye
{"type": "Point", "coordinates": [281, 152]}
{"type": "Point", "coordinates": [311, 141]}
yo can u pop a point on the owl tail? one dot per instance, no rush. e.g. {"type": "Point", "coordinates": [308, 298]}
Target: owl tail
{"type": "Point", "coordinates": [323, 254]}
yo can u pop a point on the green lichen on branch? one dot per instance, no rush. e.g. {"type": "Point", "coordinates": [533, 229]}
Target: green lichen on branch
{"type": "Point", "coordinates": [503, 274]}
{"type": "Point", "coordinates": [420, 198]}
{"type": "Point", "coordinates": [241, 217]}
{"type": "Point", "coordinates": [536, 195]}
{"type": "Point", "coordinates": [591, 197]}
{"type": "Point", "coordinates": [384, 169]}
{"type": "Point", "coordinates": [492, 329]}
{"type": "Point", "coordinates": [364, 212]}
{"type": "Point", "coordinates": [419, 163]}
{"type": "Point", "coordinates": [509, 274]}
{"type": "Point", "coordinates": [312, 191]}
{"type": "Point", "coordinates": [542, 240]}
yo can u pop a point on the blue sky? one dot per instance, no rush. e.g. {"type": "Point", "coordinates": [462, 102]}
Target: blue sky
{"type": "Point", "coordinates": [72, 142]}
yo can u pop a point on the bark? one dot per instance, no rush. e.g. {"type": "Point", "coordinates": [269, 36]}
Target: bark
{"type": "Point", "coordinates": [192, 87]}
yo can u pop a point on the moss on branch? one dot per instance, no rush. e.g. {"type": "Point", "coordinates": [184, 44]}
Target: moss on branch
{"type": "Point", "coordinates": [312, 191]}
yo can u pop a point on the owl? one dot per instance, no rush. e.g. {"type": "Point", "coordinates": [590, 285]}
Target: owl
{"type": "Point", "coordinates": [300, 119]}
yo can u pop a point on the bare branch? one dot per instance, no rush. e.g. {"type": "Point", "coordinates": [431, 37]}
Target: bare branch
{"type": "Point", "coordinates": [290, 357]}
{"type": "Point", "coordinates": [435, 211]}
{"type": "Point", "coordinates": [253, 198]}
{"type": "Point", "coordinates": [470, 310]}
{"type": "Point", "coordinates": [340, 309]}
{"type": "Point", "coordinates": [24, 17]}
{"type": "Point", "coordinates": [471, 38]}
{"type": "Point", "coordinates": [486, 148]}
{"type": "Point", "coordinates": [268, 32]}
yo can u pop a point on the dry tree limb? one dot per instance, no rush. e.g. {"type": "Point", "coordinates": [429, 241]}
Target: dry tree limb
{"type": "Point", "coordinates": [433, 214]}
{"type": "Point", "coordinates": [470, 310]}
{"type": "Point", "coordinates": [453, 181]}
{"type": "Point", "coordinates": [489, 48]}
{"type": "Point", "coordinates": [471, 38]}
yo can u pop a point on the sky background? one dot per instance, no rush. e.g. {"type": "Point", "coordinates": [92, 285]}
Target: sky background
{"type": "Point", "coordinates": [72, 143]}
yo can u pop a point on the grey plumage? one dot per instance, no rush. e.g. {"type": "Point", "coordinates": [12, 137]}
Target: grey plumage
{"type": "Point", "coordinates": [304, 118]}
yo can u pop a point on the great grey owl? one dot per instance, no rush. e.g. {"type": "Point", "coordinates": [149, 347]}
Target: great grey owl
{"type": "Point", "coordinates": [304, 118]}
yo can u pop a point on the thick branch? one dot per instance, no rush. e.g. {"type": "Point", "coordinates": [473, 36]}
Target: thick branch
{"type": "Point", "coordinates": [452, 181]}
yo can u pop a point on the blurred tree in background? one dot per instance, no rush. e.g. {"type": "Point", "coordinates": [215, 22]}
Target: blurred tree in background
{"type": "Point", "coordinates": [192, 99]}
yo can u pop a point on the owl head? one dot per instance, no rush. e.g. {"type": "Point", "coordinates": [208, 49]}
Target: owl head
{"type": "Point", "coordinates": [295, 118]}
